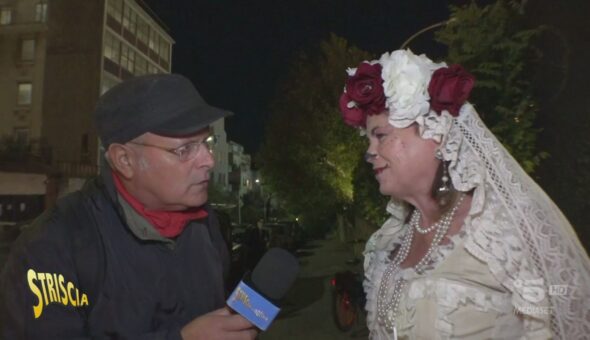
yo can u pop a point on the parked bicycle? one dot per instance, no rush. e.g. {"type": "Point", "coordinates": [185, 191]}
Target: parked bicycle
{"type": "Point", "coordinates": [348, 300]}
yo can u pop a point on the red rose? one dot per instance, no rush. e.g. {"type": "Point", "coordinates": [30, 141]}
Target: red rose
{"type": "Point", "coordinates": [352, 116]}
{"type": "Point", "coordinates": [365, 89]}
{"type": "Point", "coordinates": [449, 89]}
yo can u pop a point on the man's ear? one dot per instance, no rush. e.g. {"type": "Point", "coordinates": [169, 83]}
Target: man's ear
{"type": "Point", "coordinates": [122, 160]}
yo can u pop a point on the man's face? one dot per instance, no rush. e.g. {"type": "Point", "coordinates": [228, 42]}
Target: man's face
{"type": "Point", "coordinates": [161, 180]}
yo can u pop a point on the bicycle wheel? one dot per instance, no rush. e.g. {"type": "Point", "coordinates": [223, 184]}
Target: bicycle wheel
{"type": "Point", "coordinates": [344, 312]}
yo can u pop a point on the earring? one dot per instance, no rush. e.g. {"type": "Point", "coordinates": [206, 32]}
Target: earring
{"type": "Point", "coordinates": [369, 156]}
{"type": "Point", "coordinates": [438, 154]}
{"type": "Point", "coordinates": [444, 187]}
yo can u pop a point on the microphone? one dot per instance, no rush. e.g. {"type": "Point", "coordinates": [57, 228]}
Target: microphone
{"type": "Point", "coordinates": [257, 296]}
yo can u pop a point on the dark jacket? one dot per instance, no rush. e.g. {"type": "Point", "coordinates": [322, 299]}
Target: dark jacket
{"type": "Point", "coordinates": [79, 271]}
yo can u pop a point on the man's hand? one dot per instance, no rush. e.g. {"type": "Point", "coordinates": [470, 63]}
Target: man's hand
{"type": "Point", "coordinates": [220, 324]}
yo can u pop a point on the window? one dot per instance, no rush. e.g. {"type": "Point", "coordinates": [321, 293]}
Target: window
{"type": "Point", "coordinates": [140, 65]}
{"type": "Point", "coordinates": [154, 40]}
{"type": "Point", "coordinates": [129, 19]}
{"type": "Point", "coordinates": [41, 12]}
{"type": "Point", "coordinates": [107, 83]}
{"type": "Point", "coordinates": [164, 50]}
{"type": "Point", "coordinates": [127, 57]}
{"type": "Point", "coordinates": [152, 69]}
{"type": "Point", "coordinates": [111, 47]}
{"type": "Point", "coordinates": [142, 31]}
{"type": "Point", "coordinates": [25, 91]}
{"type": "Point", "coordinates": [115, 9]}
{"type": "Point", "coordinates": [27, 50]}
{"type": "Point", "coordinates": [21, 135]}
{"type": "Point", "coordinates": [5, 16]}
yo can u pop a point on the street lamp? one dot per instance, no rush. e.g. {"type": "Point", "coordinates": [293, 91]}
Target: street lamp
{"type": "Point", "coordinates": [266, 202]}
{"type": "Point", "coordinates": [425, 29]}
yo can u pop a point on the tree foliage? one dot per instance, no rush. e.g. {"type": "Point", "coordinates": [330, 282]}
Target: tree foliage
{"type": "Point", "coordinates": [494, 44]}
{"type": "Point", "coordinates": [309, 156]}
{"type": "Point", "coordinates": [313, 161]}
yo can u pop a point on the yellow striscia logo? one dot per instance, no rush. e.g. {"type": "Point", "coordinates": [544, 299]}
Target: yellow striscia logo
{"type": "Point", "coordinates": [53, 289]}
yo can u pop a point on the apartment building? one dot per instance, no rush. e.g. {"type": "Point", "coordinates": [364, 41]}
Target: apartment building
{"type": "Point", "coordinates": [240, 173]}
{"type": "Point", "coordinates": [58, 56]}
{"type": "Point", "coordinates": [220, 173]}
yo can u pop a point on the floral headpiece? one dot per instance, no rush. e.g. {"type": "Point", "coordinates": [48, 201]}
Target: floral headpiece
{"type": "Point", "coordinates": [411, 88]}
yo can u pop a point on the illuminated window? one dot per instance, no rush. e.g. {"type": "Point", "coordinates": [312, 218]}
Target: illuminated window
{"type": "Point", "coordinates": [154, 40]}
{"type": "Point", "coordinates": [129, 19]}
{"type": "Point", "coordinates": [115, 9]}
{"type": "Point", "coordinates": [164, 50]}
{"type": "Point", "coordinates": [142, 31]}
{"type": "Point", "coordinates": [140, 65]}
{"type": "Point", "coordinates": [112, 46]}
{"type": "Point", "coordinates": [41, 12]}
{"type": "Point", "coordinates": [28, 49]}
{"type": "Point", "coordinates": [127, 57]}
{"type": "Point", "coordinates": [25, 93]}
{"type": "Point", "coordinates": [5, 16]}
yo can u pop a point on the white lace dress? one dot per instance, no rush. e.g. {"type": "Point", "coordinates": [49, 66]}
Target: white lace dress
{"type": "Point", "coordinates": [478, 286]}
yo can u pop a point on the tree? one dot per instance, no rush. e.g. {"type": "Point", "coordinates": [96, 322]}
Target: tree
{"type": "Point", "coordinates": [253, 207]}
{"type": "Point", "coordinates": [309, 156]}
{"type": "Point", "coordinates": [495, 45]}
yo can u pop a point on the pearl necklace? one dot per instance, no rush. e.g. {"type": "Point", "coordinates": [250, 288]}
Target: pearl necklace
{"type": "Point", "coordinates": [446, 218]}
{"type": "Point", "coordinates": [387, 310]}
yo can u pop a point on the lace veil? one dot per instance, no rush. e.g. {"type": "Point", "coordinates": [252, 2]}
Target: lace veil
{"type": "Point", "coordinates": [479, 161]}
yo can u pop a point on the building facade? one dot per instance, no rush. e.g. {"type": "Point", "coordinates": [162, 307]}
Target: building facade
{"type": "Point", "coordinates": [240, 174]}
{"type": "Point", "coordinates": [57, 57]}
{"type": "Point", "coordinates": [220, 173]}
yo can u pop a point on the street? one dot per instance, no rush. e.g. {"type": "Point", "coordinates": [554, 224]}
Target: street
{"type": "Point", "coordinates": [307, 309]}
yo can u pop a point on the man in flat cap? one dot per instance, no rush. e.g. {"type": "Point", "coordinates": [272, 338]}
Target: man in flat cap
{"type": "Point", "coordinates": [137, 253]}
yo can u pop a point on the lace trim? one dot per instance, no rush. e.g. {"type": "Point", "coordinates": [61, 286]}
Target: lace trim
{"type": "Point", "coordinates": [532, 250]}
{"type": "Point", "coordinates": [377, 259]}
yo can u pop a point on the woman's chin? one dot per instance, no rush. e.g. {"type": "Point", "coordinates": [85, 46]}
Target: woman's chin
{"type": "Point", "coordinates": [394, 194]}
{"type": "Point", "coordinates": [385, 191]}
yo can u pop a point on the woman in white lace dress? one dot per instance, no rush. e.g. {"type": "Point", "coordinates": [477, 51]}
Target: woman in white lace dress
{"type": "Point", "coordinates": [473, 248]}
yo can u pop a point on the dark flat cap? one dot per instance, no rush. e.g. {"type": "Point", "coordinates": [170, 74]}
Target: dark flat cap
{"type": "Point", "coordinates": [163, 104]}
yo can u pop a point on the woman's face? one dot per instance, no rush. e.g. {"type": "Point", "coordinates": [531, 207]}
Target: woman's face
{"type": "Point", "coordinates": [404, 165]}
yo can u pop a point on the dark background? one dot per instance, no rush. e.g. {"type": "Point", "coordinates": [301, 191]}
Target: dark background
{"type": "Point", "coordinates": [235, 51]}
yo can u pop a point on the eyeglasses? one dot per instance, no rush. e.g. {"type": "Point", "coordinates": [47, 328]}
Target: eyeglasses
{"type": "Point", "coordinates": [187, 151]}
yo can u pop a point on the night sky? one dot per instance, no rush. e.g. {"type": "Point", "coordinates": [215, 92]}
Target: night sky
{"type": "Point", "coordinates": [235, 51]}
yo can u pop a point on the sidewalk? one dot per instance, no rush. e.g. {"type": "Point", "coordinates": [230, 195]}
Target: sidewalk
{"type": "Point", "coordinates": [307, 309]}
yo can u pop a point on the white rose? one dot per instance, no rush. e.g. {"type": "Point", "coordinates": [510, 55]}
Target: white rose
{"type": "Point", "coordinates": [405, 82]}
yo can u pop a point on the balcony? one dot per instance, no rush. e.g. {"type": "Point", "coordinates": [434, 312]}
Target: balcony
{"type": "Point", "coordinates": [19, 28]}
{"type": "Point", "coordinates": [80, 170]}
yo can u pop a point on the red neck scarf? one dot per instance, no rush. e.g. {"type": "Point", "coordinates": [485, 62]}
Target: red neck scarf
{"type": "Point", "coordinates": [168, 223]}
